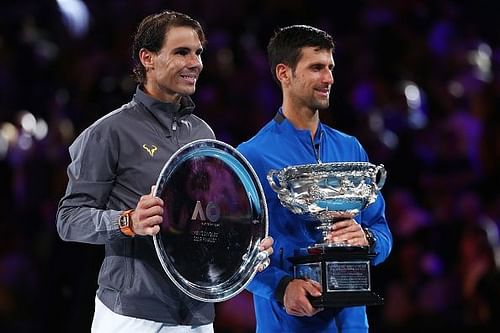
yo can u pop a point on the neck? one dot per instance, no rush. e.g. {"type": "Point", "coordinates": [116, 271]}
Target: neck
{"type": "Point", "coordinates": [155, 92]}
{"type": "Point", "coordinates": [302, 118]}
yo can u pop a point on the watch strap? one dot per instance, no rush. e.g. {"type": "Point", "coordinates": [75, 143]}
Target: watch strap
{"type": "Point", "coordinates": [370, 237]}
{"type": "Point", "coordinates": [125, 223]}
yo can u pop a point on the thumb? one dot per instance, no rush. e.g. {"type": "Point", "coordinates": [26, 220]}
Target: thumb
{"type": "Point", "coordinates": [153, 190]}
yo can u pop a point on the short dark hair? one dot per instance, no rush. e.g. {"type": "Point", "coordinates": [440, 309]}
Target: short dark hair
{"type": "Point", "coordinates": [151, 32]}
{"type": "Point", "coordinates": [285, 46]}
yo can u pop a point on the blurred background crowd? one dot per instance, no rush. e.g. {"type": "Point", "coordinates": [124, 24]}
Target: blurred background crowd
{"type": "Point", "coordinates": [418, 82]}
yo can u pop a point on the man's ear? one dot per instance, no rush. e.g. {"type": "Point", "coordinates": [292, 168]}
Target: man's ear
{"type": "Point", "coordinates": [283, 73]}
{"type": "Point", "coordinates": [146, 58]}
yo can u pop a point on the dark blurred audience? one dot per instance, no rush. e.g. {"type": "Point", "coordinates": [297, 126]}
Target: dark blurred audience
{"type": "Point", "coordinates": [419, 84]}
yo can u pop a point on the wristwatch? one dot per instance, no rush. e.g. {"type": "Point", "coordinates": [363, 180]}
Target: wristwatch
{"type": "Point", "coordinates": [125, 223]}
{"type": "Point", "coordinates": [370, 237]}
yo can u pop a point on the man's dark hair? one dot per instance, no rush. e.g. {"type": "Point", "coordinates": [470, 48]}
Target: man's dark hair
{"type": "Point", "coordinates": [151, 32]}
{"type": "Point", "coordinates": [285, 46]}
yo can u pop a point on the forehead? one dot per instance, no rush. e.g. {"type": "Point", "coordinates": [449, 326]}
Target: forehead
{"type": "Point", "coordinates": [311, 55]}
{"type": "Point", "coordinates": [182, 37]}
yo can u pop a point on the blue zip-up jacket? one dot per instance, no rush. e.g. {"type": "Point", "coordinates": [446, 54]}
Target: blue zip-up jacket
{"type": "Point", "coordinates": [277, 145]}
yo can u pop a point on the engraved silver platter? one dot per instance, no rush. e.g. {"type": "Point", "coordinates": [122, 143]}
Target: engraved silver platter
{"type": "Point", "coordinates": [215, 216]}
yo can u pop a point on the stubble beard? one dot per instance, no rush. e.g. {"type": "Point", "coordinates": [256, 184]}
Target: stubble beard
{"type": "Point", "coordinates": [320, 104]}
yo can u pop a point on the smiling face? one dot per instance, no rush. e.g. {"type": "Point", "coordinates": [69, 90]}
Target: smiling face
{"type": "Point", "coordinates": [173, 71]}
{"type": "Point", "coordinates": [308, 85]}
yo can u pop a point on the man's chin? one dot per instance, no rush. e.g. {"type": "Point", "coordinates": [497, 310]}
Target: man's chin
{"type": "Point", "coordinates": [322, 105]}
{"type": "Point", "coordinates": [188, 91]}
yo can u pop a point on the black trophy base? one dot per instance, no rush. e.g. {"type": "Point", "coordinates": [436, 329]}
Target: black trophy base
{"type": "Point", "coordinates": [342, 272]}
{"type": "Point", "coordinates": [342, 299]}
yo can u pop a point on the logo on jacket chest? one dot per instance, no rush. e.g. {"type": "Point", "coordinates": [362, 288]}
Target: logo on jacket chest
{"type": "Point", "coordinates": [151, 150]}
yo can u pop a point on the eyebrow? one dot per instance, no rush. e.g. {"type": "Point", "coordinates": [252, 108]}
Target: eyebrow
{"type": "Point", "coordinates": [187, 49]}
{"type": "Point", "coordinates": [320, 64]}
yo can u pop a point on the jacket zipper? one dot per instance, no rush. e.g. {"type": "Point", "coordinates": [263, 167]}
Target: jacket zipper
{"type": "Point", "coordinates": [281, 258]}
{"type": "Point", "coordinates": [174, 124]}
{"type": "Point", "coordinates": [317, 153]}
{"type": "Point", "coordinates": [174, 129]}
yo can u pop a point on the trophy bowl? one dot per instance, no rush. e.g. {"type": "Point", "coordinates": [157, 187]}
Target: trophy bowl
{"type": "Point", "coordinates": [324, 194]}
{"type": "Point", "coordinates": [328, 192]}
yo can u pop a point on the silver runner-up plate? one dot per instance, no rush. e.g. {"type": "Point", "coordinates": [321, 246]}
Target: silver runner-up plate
{"type": "Point", "coordinates": [215, 216]}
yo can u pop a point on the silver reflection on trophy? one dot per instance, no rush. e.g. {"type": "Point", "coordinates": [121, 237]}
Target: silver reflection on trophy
{"type": "Point", "coordinates": [328, 192]}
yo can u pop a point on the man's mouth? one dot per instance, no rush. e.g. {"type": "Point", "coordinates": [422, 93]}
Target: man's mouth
{"type": "Point", "coordinates": [190, 78]}
{"type": "Point", "coordinates": [325, 92]}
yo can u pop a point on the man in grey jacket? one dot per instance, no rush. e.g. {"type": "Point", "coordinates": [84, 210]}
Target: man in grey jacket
{"type": "Point", "coordinates": [115, 161]}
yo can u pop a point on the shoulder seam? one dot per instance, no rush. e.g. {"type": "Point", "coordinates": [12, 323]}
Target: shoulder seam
{"type": "Point", "coordinates": [205, 123]}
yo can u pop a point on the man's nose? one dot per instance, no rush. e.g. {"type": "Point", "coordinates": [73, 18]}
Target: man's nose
{"type": "Point", "coordinates": [328, 77]}
{"type": "Point", "coordinates": [195, 61]}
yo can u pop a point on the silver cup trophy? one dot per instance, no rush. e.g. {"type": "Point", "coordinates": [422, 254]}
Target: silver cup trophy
{"type": "Point", "coordinates": [326, 193]}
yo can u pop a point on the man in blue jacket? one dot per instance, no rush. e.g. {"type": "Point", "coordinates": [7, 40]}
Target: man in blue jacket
{"type": "Point", "coordinates": [301, 59]}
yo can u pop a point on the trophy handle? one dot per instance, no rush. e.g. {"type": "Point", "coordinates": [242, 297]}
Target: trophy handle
{"type": "Point", "coordinates": [271, 175]}
{"type": "Point", "coordinates": [380, 169]}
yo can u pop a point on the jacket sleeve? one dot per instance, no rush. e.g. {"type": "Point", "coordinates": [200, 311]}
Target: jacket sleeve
{"type": "Point", "coordinates": [373, 217]}
{"type": "Point", "coordinates": [265, 283]}
{"type": "Point", "coordinates": [82, 214]}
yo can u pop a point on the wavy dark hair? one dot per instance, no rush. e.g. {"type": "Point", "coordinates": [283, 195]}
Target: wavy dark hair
{"type": "Point", "coordinates": [151, 32]}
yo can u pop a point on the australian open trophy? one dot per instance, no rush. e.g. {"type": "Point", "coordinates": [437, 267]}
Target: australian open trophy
{"type": "Point", "coordinates": [327, 193]}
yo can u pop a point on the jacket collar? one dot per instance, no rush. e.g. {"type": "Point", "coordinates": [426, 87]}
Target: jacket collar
{"type": "Point", "coordinates": [186, 105]}
{"type": "Point", "coordinates": [287, 126]}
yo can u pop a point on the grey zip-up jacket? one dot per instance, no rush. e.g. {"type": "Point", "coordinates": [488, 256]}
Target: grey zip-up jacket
{"type": "Point", "coordinates": [113, 163]}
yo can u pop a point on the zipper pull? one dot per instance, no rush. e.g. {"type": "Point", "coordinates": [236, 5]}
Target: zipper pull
{"type": "Point", "coordinates": [174, 125]}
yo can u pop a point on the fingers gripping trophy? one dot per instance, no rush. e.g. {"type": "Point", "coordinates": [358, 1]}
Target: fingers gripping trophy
{"type": "Point", "coordinates": [326, 193]}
